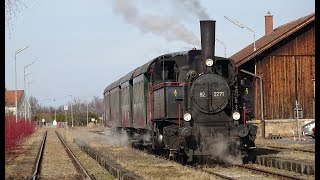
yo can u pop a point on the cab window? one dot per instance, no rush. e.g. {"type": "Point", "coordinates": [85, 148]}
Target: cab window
{"type": "Point", "coordinates": [167, 70]}
{"type": "Point", "coordinates": [222, 68]}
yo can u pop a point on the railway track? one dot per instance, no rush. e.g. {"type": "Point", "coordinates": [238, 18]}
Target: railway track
{"type": "Point", "coordinates": [243, 167]}
{"type": "Point", "coordinates": [231, 172]}
{"type": "Point", "coordinates": [195, 168]}
{"type": "Point", "coordinates": [72, 167]}
{"type": "Point", "coordinates": [285, 148]}
{"type": "Point", "coordinates": [220, 175]}
{"type": "Point", "coordinates": [262, 172]}
{"type": "Point", "coordinates": [271, 173]}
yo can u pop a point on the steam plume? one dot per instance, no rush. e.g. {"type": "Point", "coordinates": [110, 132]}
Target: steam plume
{"type": "Point", "coordinates": [219, 147]}
{"type": "Point", "coordinates": [169, 28]}
{"type": "Point", "coordinates": [194, 6]}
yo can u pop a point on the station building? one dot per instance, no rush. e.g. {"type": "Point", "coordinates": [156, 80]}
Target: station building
{"type": "Point", "coordinates": [284, 64]}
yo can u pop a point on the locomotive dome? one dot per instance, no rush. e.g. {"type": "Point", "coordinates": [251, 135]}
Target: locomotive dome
{"type": "Point", "coordinates": [210, 93]}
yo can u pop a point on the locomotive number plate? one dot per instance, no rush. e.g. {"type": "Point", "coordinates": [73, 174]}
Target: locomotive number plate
{"type": "Point", "coordinates": [202, 94]}
{"type": "Point", "coordinates": [218, 94]}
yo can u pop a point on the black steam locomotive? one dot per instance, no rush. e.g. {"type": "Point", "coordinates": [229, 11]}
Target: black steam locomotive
{"type": "Point", "coordinates": [184, 104]}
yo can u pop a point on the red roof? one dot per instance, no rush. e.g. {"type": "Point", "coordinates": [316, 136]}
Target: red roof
{"type": "Point", "coordinates": [271, 39]}
{"type": "Point", "coordinates": [10, 97]}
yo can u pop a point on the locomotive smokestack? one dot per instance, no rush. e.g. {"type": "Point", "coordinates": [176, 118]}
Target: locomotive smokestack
{"type": "Point", "coordinates": [207, 29]}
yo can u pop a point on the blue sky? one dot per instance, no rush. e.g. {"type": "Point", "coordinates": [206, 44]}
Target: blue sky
{"type": "Point", "coordinates": [81, 46]}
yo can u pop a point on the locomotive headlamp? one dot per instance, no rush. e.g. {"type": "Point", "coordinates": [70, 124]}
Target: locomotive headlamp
{"type": "Point", "coordinates": [236, 115]}
{"type": "Point", "coordinates": [209, 62]}
{"type": "Point", "coordinates": [187, 117]}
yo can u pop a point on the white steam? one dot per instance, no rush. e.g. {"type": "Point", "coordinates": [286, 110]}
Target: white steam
{"type": "Point", "coordinates": [167, 27]}
{"type": "Point", "coordinates": [220, 147]}
{"type": "Point", "coordinates": [118, 139]}
{"type": "Point", "coordinates": [146, 137]}
{"type": "Point", "coordinates": [220, 150]}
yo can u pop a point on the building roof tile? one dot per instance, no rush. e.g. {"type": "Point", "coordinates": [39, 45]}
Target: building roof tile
{"type": "Point", "coordinates": [271, 39]}
{"type": "Point", "coordinates": [10, 97]}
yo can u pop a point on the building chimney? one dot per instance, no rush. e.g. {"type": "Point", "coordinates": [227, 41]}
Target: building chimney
{"type": "Point", "coordinates": [268, 23]}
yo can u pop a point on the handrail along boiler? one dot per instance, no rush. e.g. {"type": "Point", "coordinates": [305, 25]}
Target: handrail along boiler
{"type": "Point", "coordinates": [183, 103]}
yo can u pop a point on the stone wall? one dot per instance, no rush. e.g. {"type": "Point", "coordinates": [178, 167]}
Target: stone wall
{"type": "Point", "coordinates": [283, 127]}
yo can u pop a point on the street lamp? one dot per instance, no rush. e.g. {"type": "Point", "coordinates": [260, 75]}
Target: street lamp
{"type": "Point", "coordinates": [26, 95]}
{"type": "Point", "coordinates": [15, 77]}
{"type": "Point", "coordinates": [225, 48]}
{"type": "Point", "coordinates": [29, 101]}
{"type": "Point", "coordinates": [25, 75]}
{"type": "Point", "coordinates": [55, 112]}
{"type": "Point", "coordinates": [87, 111]}
{"type": "Point", "coordinates": [237, 23]}
{"type": "Point", "coordinates": [71, 112]}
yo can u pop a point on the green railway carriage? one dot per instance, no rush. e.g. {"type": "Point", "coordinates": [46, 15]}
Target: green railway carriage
{"type": "Point", "coordinates": [115, 99]}
{"type": "Point", "coordinates": [106, 95]}
{"type": "Point", "coordinates": [126, 100]}
{"type": "Point", "coordinates": [129, 100]}
{"type": "Point", "coordinates": [139, 100]}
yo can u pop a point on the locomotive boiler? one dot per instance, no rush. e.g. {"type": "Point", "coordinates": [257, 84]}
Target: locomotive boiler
{"type": "Point", "coordinates": [183, 104]}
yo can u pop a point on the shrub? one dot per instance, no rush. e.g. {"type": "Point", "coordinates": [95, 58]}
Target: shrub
{"type": "Point", "coordinates": [16, 131]}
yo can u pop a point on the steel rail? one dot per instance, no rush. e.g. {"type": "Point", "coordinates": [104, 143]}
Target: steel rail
{"type": "Point", "coordinates": [283, 176]}
{"type": "Point", "coordinates": [39, 158]}
{"type": "Point", "coordinates": [294, 149]}
{"type": "Point", "coordinates": [192, 167]}
{"type": "Point", "coordinates": [215, 174]}
{"type": "Point", "coordinates": [269, 172]}
{"type": "Point", "coordinates": [78, 163]}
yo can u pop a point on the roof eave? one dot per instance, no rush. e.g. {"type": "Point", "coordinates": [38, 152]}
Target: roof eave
{"type": "Point", "coordinates": [285, 35]}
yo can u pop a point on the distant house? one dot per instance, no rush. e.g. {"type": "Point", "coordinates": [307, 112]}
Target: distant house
{"type": "Point", "coordinates": [285, 60]}
{"type": "Point", "coordinates": [10, 105]}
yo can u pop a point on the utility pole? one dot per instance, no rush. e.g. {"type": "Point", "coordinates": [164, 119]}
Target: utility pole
{"type": "Point", "coordinates": [71, 112]}
{"type": "Point", "coordinates": [87, 113]}
{"type": "Point", "coordinates": [66, 116]}
{"type": "Point", "coordinates": [25, 89]}
{"type": "Point", "coordinates": [55, 113]}
{"type": "Point", "coordinates": [26, 95]}
{"type": "Point", "coordinates": [87, 110]}
{"type": "Point", "coordinates": [71, 115]}
{"type": "Point", "coordinates": [15, 77]}
{"type": "Point", "coordinates": [29, 106]}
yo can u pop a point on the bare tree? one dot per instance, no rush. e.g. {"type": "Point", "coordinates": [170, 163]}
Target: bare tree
{"type": "Point", "coordinates": [12, 8]}
{"type": "Point", "coordinates": [35, 106]}
{"type": "Point", "coordinates": [79, 111]}
{"type": "Point", "coordinates": [97, 105]}
{"type": "Point", "coordinates": [79, 105]}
